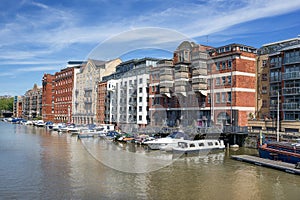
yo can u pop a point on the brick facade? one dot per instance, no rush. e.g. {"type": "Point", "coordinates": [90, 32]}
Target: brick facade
{"type": "Point", "coordinates": [48, 97]}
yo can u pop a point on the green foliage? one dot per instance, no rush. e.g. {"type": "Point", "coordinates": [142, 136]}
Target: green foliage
{"type": "Point", "coordinates": [6, 104]}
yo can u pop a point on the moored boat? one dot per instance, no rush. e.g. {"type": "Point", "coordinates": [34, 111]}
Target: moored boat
{"type": "Point", "coordinates": [169, 141]}
{"type": "Point", "coordinates": [196, 146]}
{"type": "Point", "coordinates": [282, 151]}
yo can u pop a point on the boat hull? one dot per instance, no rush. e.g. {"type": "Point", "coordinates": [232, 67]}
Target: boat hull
{"type": "Point", "coordinates": [274, 154]}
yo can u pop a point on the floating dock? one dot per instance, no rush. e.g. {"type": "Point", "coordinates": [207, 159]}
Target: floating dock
{"type": "Point", "coordinates": [283, 166]}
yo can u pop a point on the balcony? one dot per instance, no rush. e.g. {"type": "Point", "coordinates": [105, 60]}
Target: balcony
{"type": "Point", "coordinates": [275, 79]}
{"type": "Point", "coordinates": [132, 112]}
{"type": "Point", "coordinates": [133, 86]}
{"type": "Point", "coordinates": [88, 89]}
{"type": "Point", "coordinates": [166, 84]}
{"type": "Point", "coordinates": [132, 103]}
{"type": "Point", "coordinates": [292, 60]}
{"type": "Point", "coordinates": [88, 100]}
{"type": "Point", "coordinates": [291, 106]}
{"type": "Point", "coordinates": [133, 94]}
{"type": "Point", "coordinates": [291, 76]}
{"type": "Point", "coordinates": [166, 72]}
{"type": "Point", "coordinates": [199, 87]}
{"type": "Point", "coordinates": [166, 77]}
{"type": "Point", "coordinates": [275, 65]}
{"type": "Point", "coordinates": [180, 83]}
{"type": "Point", "coordinates": [181, 75]}
{"type": "Point", "coordinates": [199, 80]}
{"type": "Point", "coordinates": [199, 71]}
{"type": "Point", "coordinates": [181, 68]}
{"type": "Point", "coordinates": [291, 91]}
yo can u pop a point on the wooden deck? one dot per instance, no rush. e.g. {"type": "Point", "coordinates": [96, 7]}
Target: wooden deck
{"type": "Point", "coordinates": [283, 166]}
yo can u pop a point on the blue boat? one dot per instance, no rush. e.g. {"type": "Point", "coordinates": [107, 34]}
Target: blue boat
{"type": "Point", "coordinates": [281, 151]}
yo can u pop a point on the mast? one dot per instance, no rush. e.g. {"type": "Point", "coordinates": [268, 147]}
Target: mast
{"type": "Point", "coordinates": [278, 116]}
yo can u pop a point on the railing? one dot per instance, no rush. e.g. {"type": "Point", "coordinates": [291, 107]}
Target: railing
{"type": "Point", "coordinates": [291, 91]}
{"type": "Point", "coordinates": [235, 129]}
{"type": "Point", "coordinates": [275, 78]}
{"type": "Point", "coordinates": [289, 60]}
{"type": "Point", "coordinates": [291, 75]}
{"type": "Point", "coordinates": [291, 106]}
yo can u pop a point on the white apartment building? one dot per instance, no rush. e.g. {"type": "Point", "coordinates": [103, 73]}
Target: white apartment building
{"type": "Point", "coordinates": [129, 98]}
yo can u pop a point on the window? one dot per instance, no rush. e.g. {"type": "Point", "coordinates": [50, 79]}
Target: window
{"type": "Point", "coordinates": [223, 97]}
{"type": "Point", "coordinates": [140, 99]}
{"type": "Point", "coordinates": [140, 90]}
{"type": "Point", "coordinates": [229, 64]}
{"type": "Point", "coordinates": [223, 65]}
{"type": "Point", "coordinates": [140, 80]}
{"type": "Point", "coordinates": [264, 77]}
{"type": "Point", "coordinates": [208, 98]}
{"type": "Point", "coordinates": [208, 82]}
{"type": "Point", "coordinates": [140, 108]}
{"type": "Point", "coordinates": [218, 66]}
{"type": "Point", "coordinates": [228, 97]}
{"type": "Point", "coordinates": [264, 104]}
{"type": "Point", "coordinates": [229, 80]}
{"type": "Point", "coordinates": [264, 90]}
{"type": "Point", "coordinates": [217, 81]}
{"type": "Point", "coordinates": [210, 144]}
{"type": "Point", "coordinates": [264, 63]}
{"type": "Point", "coordinates": [217, 98]}
{"type": "Point", "coordinates": [201, 144]}
{"type": "Point", "coordinates": [192, 145]}
{"type": "Point", "coordinates": [140, 117]}
{"type": "Point", "coordinates": [223, 80]}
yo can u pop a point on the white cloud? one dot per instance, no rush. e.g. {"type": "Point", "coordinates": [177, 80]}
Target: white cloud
{"type": "Point", "coordinates": [38, 69]}
{"type": "Point", "coordinates": [53, 29]}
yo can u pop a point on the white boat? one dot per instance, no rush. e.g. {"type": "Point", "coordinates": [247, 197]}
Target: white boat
{"type": "Point", "coordinates": [87, 133]}
{"type": "Point", "coordinates": [40, 123]}
{"type": "Point", "coordinates": [58, 126]}
{"type": "Point", "coordinates": [196, 146]}
{"type": "Point", "coordinates": [168, 141]}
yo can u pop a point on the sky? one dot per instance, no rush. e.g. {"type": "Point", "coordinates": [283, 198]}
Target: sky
{"type": "Point", "coordinates": [41, 36]}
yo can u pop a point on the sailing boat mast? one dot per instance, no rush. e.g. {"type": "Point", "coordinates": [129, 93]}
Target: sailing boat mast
{"type": "Point", "coordinates": [278, 116]}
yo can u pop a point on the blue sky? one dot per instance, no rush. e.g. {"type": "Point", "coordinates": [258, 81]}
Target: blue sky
{"type": "Point", "coordinates": [40, 37]}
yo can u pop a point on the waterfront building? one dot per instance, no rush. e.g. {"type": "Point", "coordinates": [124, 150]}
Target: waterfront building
{"type": "Point", "coordinates": [85, 95]}
{"type": "Point", "coordinates": [233, 83]}
{"type": "Point", "coordinates": [178, 88]}
{"type": "Point", "coordinates": [48, 85]}
{"type": "Point", "coordinates": [204, 85]}
{"type": "Point", "coordinates": [65, 82]}
{"type": "Point", "coordinates": [32, 103]}
{"type": "Point", "coordinates": [280, 80]}
{"type": "Point", "coordinates": [102, 99]}
{"type": "Point", "coordinates": [111, 102]}
{"type": "Point", "coordinates": [128, 93]}
{"type": "Point", "coordinates": [18, 106]}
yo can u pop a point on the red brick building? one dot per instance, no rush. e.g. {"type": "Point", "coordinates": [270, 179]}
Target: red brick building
{"type": "Point", "coordinates": [204, 86]}
{"type": "Point", "coordinates": [101, 102]}
{"type": "Point", "coordinates": [63, 96]}
{"type": "Point", "coordinates": [232, 84]}
{"type": "Point", "coordinates": [48, 97]}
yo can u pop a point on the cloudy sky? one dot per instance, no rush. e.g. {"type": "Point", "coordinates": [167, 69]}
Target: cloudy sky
{"type": "Point", "coordinates": [41, 36]}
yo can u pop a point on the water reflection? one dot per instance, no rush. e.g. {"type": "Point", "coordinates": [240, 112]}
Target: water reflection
{"type": "Point", "coordinates": [36, 164]}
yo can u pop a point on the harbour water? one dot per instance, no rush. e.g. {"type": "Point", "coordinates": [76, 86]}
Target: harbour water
{"type": "Point", "coordinates": [39, 164]}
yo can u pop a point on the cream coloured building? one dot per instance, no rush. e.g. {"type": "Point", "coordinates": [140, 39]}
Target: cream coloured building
{"type": "Point", "coordinates": [85, 95]}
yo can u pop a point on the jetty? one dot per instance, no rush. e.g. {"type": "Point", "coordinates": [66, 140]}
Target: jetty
{"type": "Point", "coordinates": [279, 165]}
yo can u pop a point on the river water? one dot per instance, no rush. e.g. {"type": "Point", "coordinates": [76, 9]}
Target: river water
{"type": "Point", "coordinates": [38, 164]}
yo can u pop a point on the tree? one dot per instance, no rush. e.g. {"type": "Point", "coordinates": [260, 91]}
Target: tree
{"type": "Point", "coordinates": [6, 104]}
